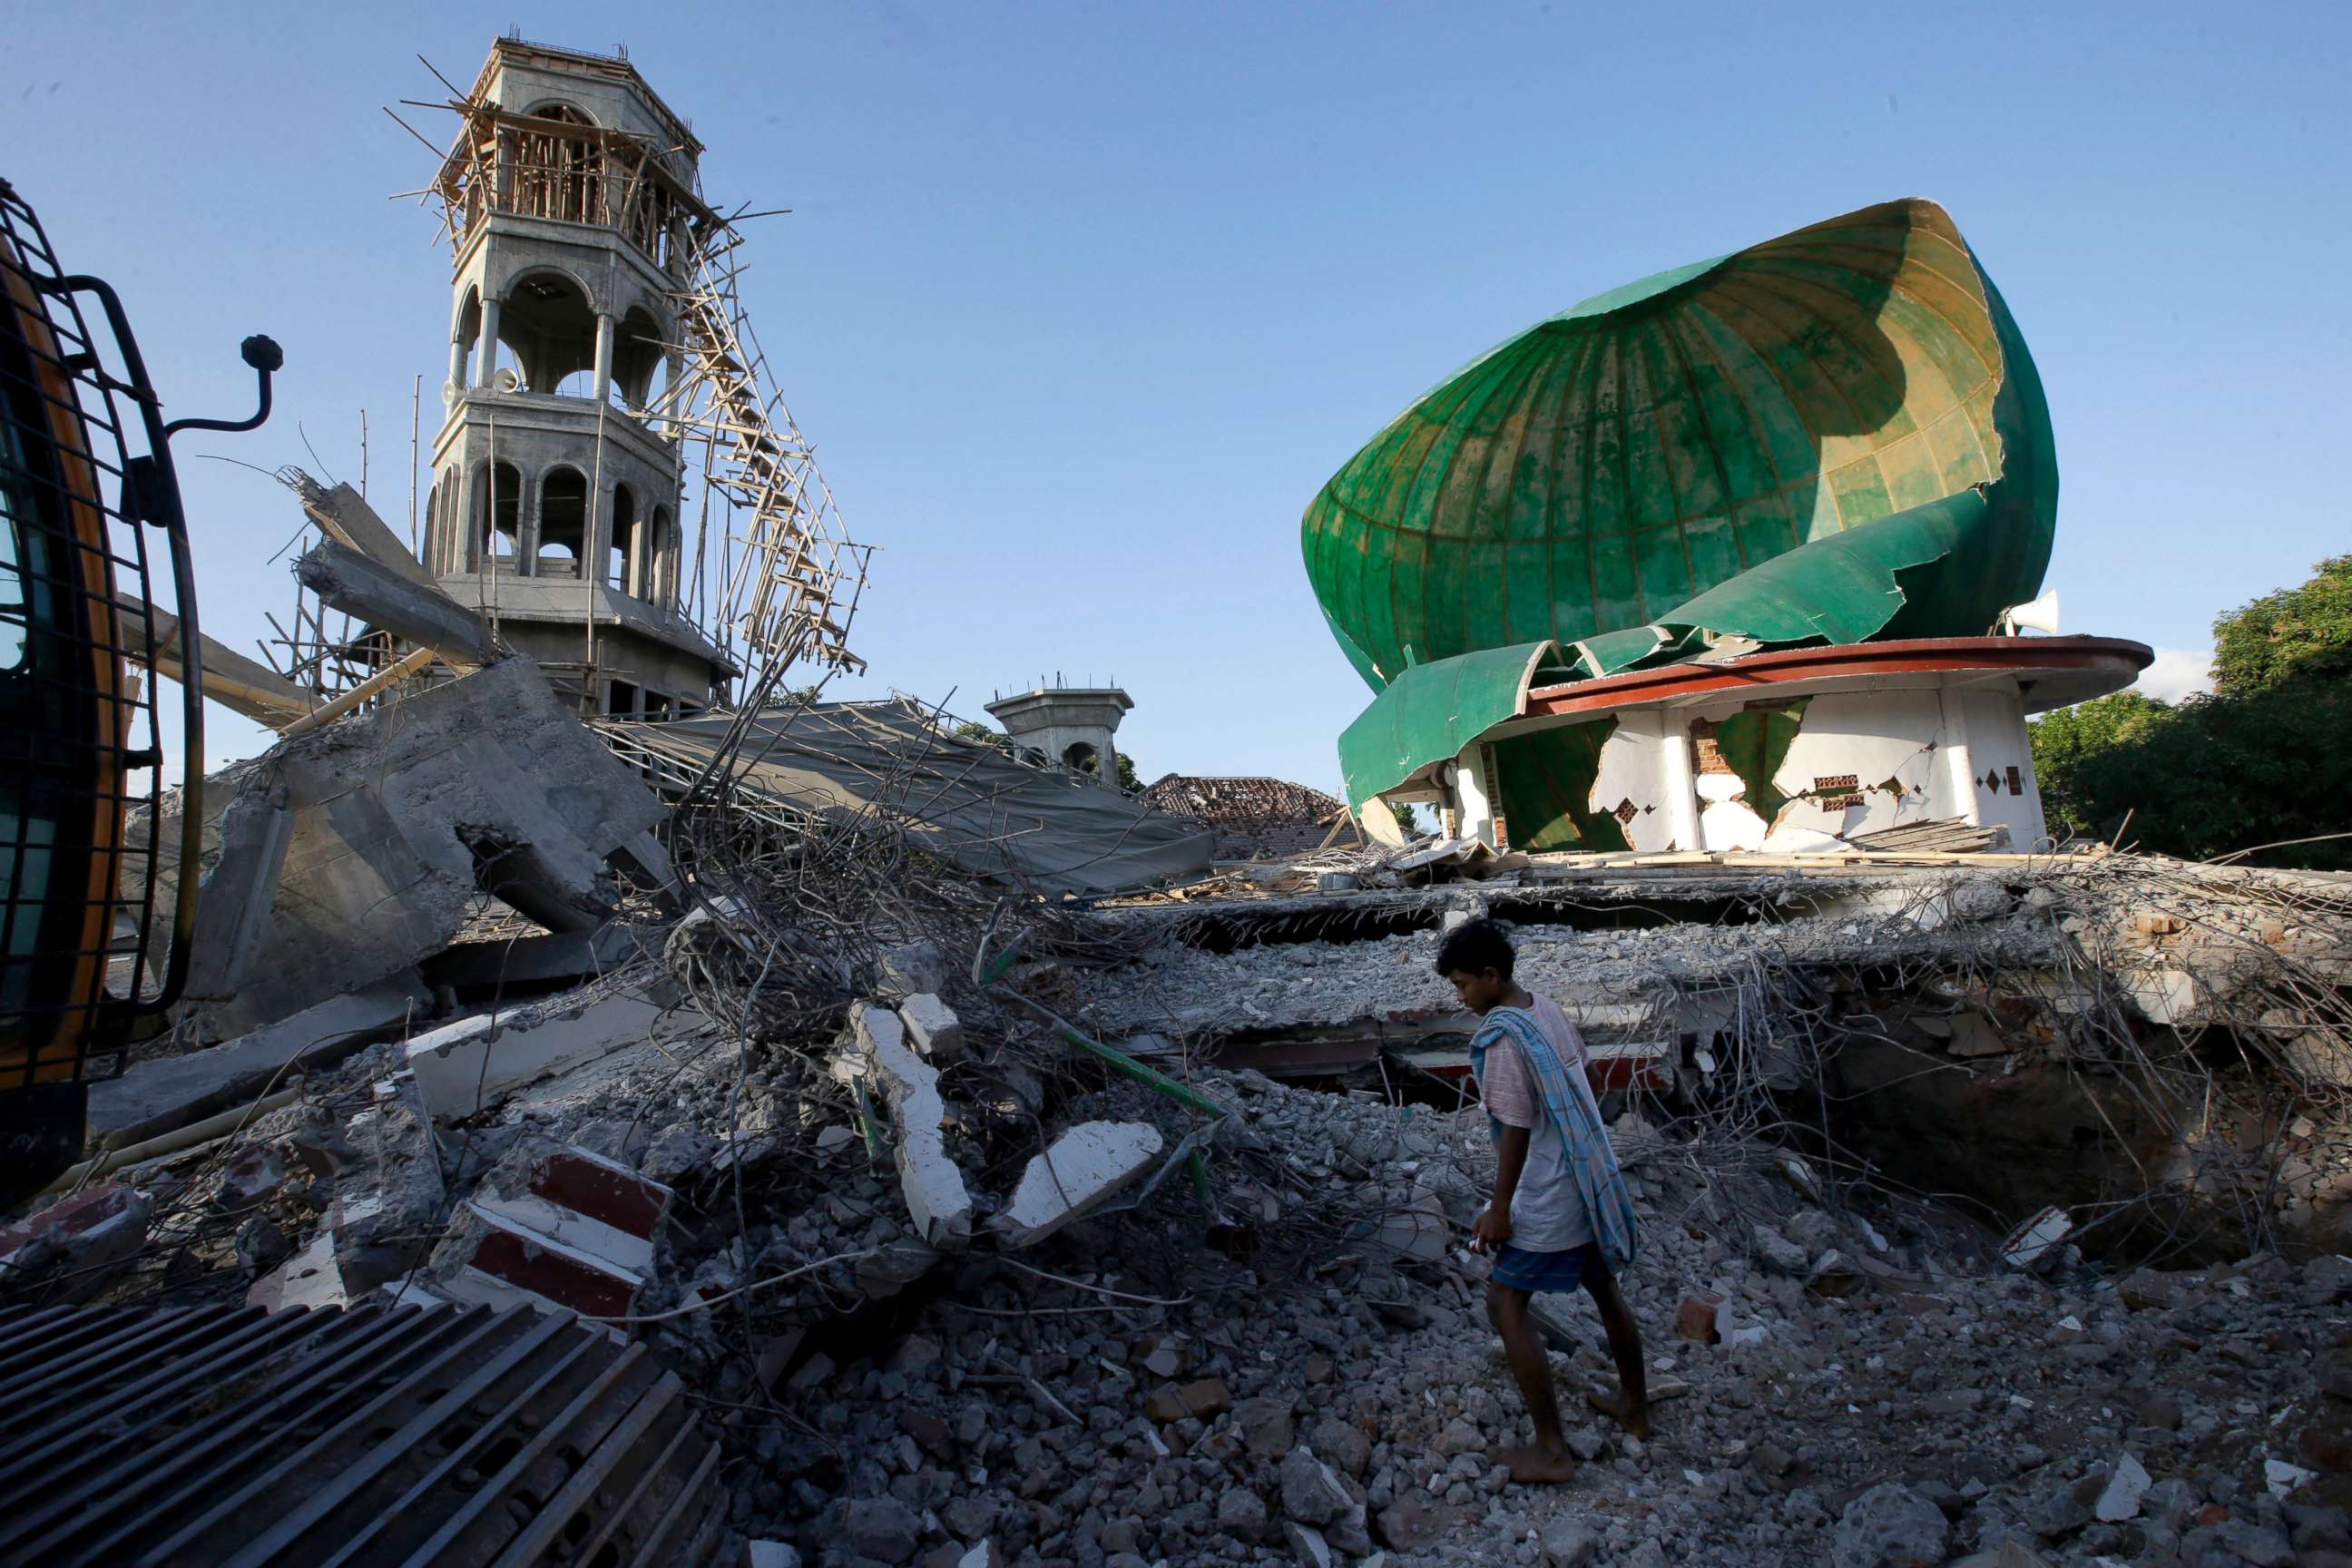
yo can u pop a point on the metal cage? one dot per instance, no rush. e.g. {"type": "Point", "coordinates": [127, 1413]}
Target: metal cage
{"type": "Point", "coordinates": [81, 759]}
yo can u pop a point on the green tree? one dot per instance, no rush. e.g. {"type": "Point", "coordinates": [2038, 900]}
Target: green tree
{"type": "Point", "coordinates": [987, 737]}
{"type": "Point", "coordinates": [2259, 762]}
{"type": "Point", "coordinates": [2296, 633]}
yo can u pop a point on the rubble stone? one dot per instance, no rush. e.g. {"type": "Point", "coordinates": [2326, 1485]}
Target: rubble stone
{"type": "Point", "coordinates": [932, 1027]}
{"type": "Point", "coordinates": [2121, 1499]}
{"type": "Point", "coordinates": [1311, 1493]}
{"type": "Point", "coordinates": [1568, 1542]}
{"type": "Point", "coordinates": [914, 969]}
{"type": "Point", "coordinates": [1204, 1398]}
{"type": "Point", "coordinates": [1779, 1253]}
{"type": "Point", "coordinates": [83, 1240]}
{"type": "Point", "coordinates": [883, 1529]}
{"type": "Point", "coordinates": [1889, 1526]}
{"type": "Point", "coordinates": [1695, 1317]}
{"type": "Point", "coordinates": [1266, 1426]}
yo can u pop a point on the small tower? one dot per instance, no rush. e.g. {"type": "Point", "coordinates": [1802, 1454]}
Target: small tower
{"type": "Point", "coordinates": [557, 476]}
{"type": "Point", "coordinates": [1072, 725]}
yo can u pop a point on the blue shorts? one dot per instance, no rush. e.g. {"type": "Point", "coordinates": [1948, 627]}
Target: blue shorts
{"type": "Point", "coordinates": [1570, 1271]}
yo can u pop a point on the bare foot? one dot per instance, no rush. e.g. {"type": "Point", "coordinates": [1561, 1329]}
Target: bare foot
{"type": "Point", "coordinates": [1635, 1419]}
{"type": "Point", "coordinates": [1531, 1464]}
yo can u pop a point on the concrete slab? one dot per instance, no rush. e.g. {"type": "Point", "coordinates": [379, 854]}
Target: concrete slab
{"type": "Point", "coordinates": [467, 1066]}
{"type": "Point", "coordinates": [165, 1092]}
{"type": "Point", "coordinates": [558, 956]}
{"type": "Point", "coordinates": [418, 613]}
{"type": "Point", "coordinates": [235, 899]}
{"type": "Point", "coordinates": [1077, 1173]}
{"type": "Point", "coordinates": [86, 1238]}
{"type": "Point", "coordinates": [404, 815]}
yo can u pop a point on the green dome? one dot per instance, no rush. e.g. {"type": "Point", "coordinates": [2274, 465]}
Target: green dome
{"type": "Point", "coordinates": [1627, 465]}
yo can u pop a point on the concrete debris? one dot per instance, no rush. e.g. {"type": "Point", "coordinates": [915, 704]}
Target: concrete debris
{"type": "Point", "coordinates": [2032, 1243]}
{"type": "Point", "coordinates": [914, 969]}
{"type": "Point", "coordinates": [418, 613]}
{"type": "Point", "coordinates": [929, 1177]}
{"type": "Point", "coordinates": [557, 1226]}
{"type": "Point", "coordinates": [1889, 1526]}
{"type": "Point", "coordinates": [2127, 1483]}
{"type": "Point", "coordinates": [931, 1027]}
{"type": "Point", "coordinates": [235, 896]}
{"type": "Point", "coordinates": [164, 1092]}
{"type": "Point", "coordinates": [402, 816]}
{"type": "Point", "coordinates": [1079, 1170]}
{"type": "Point", "coordinates": [1227, 1316]}
{"type": "Point", "coordinates": [77, 1245]}
{"type": "Point", "coordinates": [470, 1066]}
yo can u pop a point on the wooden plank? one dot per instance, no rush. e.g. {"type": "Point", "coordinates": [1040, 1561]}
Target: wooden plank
{"type": "Point", "coordinates": [239, 684]}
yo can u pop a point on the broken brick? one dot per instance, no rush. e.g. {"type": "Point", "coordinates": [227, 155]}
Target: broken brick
{"type": "Point", "coordinates": [1176, 1401]}
{"type": "Point", "coordinates": [1694, 1319]}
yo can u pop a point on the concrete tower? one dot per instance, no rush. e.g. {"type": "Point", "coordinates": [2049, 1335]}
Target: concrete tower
{"type": "Point", "coordinates": [555, 505]}
{"type": "Point", "coordinates": [1072, 725]}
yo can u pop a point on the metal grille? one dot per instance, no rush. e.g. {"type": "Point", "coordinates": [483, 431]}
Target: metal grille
{"type": "Point", "coordinates": [375, 1434]}
{"type": "Point", "coordinates": [79, 748]}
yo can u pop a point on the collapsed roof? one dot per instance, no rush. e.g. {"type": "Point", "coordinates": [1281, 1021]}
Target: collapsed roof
{"type": "Point", "coordinates": [969, 803]}
{"type": "Point", "coordinates": [1833, 437]}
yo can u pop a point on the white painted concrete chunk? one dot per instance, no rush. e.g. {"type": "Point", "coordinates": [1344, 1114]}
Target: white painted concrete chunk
{"type": "Point", "coordinates": [932, 1027]}
{"type": "Point", "coordinates": [1078, 1170]}
{"type": "Point", "coordinates": [458, 1081]}
{"type": "Point", "coordinates": [2126, 1486]}
{"type": "Point", "coordinates": [2028, 1242]}
{"type": "Point", "coordinates": [931, 1181]}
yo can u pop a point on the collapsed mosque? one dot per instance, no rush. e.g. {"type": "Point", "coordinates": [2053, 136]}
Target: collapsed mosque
{"type": "Point", "coordinates": [1715, 560]}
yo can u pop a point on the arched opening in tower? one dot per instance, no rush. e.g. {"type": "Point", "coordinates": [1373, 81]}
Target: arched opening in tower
{"type": "Point", "coordinates": [547, 322]}
{"type": "Point", "coordinates": [1082, 757]}
{"type": "Point", "coordinates": [563, 524]}
{"type": "Point", "coordinates": [468, 335]}
{"type": "Point", "coordinates": [640, 362]}
{"type": "Point", "coordinates": [498, 514]}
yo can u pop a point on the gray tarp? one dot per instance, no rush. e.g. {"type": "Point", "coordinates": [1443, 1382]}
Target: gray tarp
{"type": "Point", "coordinates": [969, 803]}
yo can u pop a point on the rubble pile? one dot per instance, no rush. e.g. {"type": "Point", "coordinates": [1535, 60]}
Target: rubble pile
{"type": "Point", "coordinates": [975, 1239]}
{"type": "Point", "coordinates": [1846, 1375]}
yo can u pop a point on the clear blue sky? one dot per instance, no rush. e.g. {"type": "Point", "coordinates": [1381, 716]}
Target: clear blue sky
{"type": "Point", "coordinates": [1082, 304]}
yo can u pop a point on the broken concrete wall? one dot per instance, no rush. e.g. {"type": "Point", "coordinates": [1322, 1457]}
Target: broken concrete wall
{"type": "Point", "coordinates": [936, 1200]}
{"type": "Point", "coordinates": [401, 816]}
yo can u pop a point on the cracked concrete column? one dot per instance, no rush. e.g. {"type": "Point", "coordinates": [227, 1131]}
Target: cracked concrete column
{"type": "Point", "coordinates": [1959, 768]}
{"type": "Point", "coordinates": [485, 363]}
{"type": "Point", "coordinates": [1675, 775]}
{"type": "Point", "coordinates": [603, 392]}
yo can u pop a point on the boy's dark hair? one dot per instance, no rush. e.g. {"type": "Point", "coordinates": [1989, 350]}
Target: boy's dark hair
{"type": "Point", "coordinates": [1474, 946]}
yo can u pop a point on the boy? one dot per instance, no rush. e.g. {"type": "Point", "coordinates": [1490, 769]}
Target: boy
{"type": "Point", "coordinates": [1560, 1216]}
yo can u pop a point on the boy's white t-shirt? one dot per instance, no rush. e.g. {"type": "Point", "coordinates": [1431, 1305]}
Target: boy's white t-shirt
{"type": "Point", "coordinates": [1548, 1207]}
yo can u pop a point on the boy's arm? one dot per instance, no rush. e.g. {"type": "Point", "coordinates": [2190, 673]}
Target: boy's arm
{"type": "Point", "coordinates": [1493, 1227]}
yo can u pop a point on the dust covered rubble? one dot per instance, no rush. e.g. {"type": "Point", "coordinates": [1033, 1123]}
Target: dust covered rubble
{"type": "Point", "coordinates": [1210, 1395]}
{"type": "Point", "coordinates": [1186, 989]}
{"type": "Point", "coordinates": [1297, 1367]}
